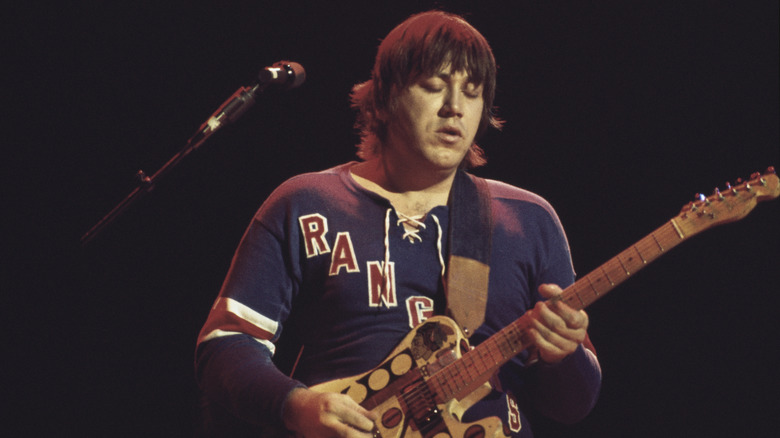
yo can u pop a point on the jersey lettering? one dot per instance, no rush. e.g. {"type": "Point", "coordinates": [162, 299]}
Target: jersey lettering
{"type": "Point", "coordinates": [513, 414]}
{"type": "Point", "coordinates": [314, 226]}
{"type": "Point", "coordinates": [379, 290]}
{"type": "Point", "coordinates": [419, 309]}
{"type": "Point", "coordinates": [343, 255]}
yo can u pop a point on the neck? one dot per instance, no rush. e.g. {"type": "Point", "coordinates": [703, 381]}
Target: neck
{"type": "Point", "coordinates": [410, 191]}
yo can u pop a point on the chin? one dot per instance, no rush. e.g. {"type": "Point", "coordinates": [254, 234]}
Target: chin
{"type": "Point", "coordinates": [446, 163]}
{"type": "Point", "coordinates": [452, 154]}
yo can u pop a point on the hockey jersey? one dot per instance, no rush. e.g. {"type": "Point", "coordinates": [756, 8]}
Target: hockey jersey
{"type": "Point", "coordinates": [335, 267]}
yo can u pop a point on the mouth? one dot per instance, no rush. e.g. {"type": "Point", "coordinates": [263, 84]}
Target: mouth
{"type": "Point", "coordinates": [450, 134]}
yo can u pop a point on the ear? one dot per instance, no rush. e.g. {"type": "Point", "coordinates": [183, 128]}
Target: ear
{"type": "Point", "coordinates": [385, 113]}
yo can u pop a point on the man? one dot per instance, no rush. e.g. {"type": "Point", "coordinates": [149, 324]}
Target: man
{"type": "Point", "coordinates": [350, 259]}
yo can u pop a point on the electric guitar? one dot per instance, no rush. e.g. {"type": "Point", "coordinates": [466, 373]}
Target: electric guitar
{"type": "Point", "coordinates": [423, 387]}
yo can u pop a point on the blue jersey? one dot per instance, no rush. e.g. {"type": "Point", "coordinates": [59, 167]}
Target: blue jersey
{"type": "Point", "coordinates": [334, 264]}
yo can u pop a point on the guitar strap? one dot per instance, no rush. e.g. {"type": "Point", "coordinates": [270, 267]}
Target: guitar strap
{"type": "Point", "coordinates": [470, 232]}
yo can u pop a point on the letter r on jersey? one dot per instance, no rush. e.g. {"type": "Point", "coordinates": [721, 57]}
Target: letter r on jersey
{"type": "Point", "coordinates": [313, 227]}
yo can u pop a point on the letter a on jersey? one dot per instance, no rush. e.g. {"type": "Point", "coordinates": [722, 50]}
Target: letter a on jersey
{"type": "Point", "coordinates": [343, 255]}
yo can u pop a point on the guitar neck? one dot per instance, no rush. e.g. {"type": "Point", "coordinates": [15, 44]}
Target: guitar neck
{"type": "Point", "coordinates": [616, 270]}
{"type": "Point", "coordinates": [461, 377]}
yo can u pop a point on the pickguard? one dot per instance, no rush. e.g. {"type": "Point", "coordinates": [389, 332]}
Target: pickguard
{"type": "Point", "coordinates": [398, 390]}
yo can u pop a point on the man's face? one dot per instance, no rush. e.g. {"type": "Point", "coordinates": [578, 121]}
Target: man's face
{"type": "Point", "coordinates": [435, 120]}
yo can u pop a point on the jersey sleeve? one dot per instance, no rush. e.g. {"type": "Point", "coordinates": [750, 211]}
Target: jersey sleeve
{"type": "Point", "coordinates": [567, 391]}
{"type": "Point", "coordinates": [234, 365]}
{"type": "Point", "coordinates": [534, 250]}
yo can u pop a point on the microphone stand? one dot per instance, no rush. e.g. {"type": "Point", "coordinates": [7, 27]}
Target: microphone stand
{"type": "Point", "coordinates": [233, 108]}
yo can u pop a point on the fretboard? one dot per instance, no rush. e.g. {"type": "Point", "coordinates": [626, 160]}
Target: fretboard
{"type": "Point", "coordinates": [475, 367]}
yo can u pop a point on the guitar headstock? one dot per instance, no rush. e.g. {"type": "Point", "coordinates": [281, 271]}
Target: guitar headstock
{"type": "Point", "coordinates": [731, 204]}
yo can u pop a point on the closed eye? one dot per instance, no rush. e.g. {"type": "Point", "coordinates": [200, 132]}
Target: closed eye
{"type": "Point", "coordinates": [472, 91]}
{"type": "Point", "coordinates": [433, 86]}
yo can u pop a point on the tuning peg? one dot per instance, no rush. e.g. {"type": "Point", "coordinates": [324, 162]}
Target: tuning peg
{"type": "Point", "coordinates": [702, 198]}
{"type": "Point", "coordinates": [769, 171]}
{"type": "Point", "coordinates": [142, 178]}
{"type": "Point", "coordinates": [718, 194]}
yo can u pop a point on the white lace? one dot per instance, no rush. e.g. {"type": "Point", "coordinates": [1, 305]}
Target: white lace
{"type": "Point", "coordinates": [386, 264]}
{"type": "Point", "coordinates": [438, 244]}
{"type": "Point", "coordinates": [411, 234]}
{"type": "Point", "coordinates": [415, 226]}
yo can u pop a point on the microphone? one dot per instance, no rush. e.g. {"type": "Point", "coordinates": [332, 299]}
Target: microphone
{"type": "Point", "coordinates": [286, 74]}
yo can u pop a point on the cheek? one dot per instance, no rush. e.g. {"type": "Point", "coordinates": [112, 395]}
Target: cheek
{"type": "Point", "coordinates": [416, 116]}
{"type": "Point", "coordinates": [475, 116]}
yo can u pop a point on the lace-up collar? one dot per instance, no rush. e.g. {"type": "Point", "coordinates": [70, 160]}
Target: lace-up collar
{"type": "Point", "coordinates": [412, 226]}
{"type": "Point", "coordinates": [411, 232]}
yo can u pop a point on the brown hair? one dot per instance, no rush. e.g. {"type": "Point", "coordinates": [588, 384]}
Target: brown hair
{"type": "Point", "coordinates": [421, 45]}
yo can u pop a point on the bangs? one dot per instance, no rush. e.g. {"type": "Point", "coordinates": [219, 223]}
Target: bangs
{"type": "Point", "coordinates": [454, 48]}
{"type": "Point", "coordinates": [428, 42]}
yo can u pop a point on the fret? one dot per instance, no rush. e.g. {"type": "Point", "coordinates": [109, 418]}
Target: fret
{"type": "Point", "coordinates": [612, 283]}
{"type": "Point", "coordinates": [636, 248]}
{"type": "Point", "coordinates": [469, 367]}
{"type": "Point", "coordinates": [495, 351]}
{"type": "Point", "coordinates": [455, 378]}
{"type": "Point", "coordinates": [477, 364]}
{"type": "Point", "coordinates": [574, 296]}
{"type": "Point", "coordinates": [659, 243]}
{"type": "Point", "coordinates": [445, 385]}
{"type": "Point", "coordinates": [513, 338]}
{"type": "Point", "coordinates": [483, 358]}
{"type": "Point", "coordinates": [649, 249]}
{"type": "Point", "coordinates": [591, 285]}
{"type": "Point", "coordinates": [505, 348]}
{"type": "Point", "coordinates": [584, 293]}
{"type": "Point", "coordinates": [625, 268]}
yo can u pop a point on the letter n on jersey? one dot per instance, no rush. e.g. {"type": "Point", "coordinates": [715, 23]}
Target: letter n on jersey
{"type": "Point", "coordinates": [381, 288]}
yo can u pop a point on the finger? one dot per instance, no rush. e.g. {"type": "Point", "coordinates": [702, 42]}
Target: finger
{"type": "Point", "coordinates": [350, 432]}
{"type": "Point", "coordinates": [551, 346]}
{"type": "Point", "coordinates": [548, 290]}
{"type": "Point", "coordinates": [341, 430]}
{"type": "Point", "coordinates": [555, 328]}
{"type": "Point", "coordinates": [355, 415]}
{"type": "Point", "coordinates": [574, 318]}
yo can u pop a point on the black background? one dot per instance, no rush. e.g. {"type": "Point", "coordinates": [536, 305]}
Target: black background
{"type": "Point", "coordinates": [617, 113]}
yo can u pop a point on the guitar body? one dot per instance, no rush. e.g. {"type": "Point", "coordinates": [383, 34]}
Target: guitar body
{"type": "Point", "coordinates": [398, 390]}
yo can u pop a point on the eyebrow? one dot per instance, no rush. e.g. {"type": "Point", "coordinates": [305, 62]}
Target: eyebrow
{"type": "Point", "coordinates": [445, 75]}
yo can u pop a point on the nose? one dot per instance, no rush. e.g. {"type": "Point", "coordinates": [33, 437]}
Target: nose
{"type": "Point", "coordinates": [453, 104]}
